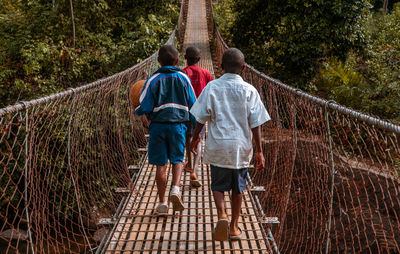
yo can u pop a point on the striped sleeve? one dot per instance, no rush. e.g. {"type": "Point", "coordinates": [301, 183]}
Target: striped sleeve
{"type": "Point", "coordinates": [146, 99]}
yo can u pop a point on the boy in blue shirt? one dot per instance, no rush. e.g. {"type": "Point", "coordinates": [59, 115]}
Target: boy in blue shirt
{"type": "Point", "coordinates": [166, 99]}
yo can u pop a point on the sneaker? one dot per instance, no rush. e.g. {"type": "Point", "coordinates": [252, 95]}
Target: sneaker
{"type": "Point", "coordinates": [176, 200]}
{"type": "Point", "coordinates": [194, 181]}
{"type": "Point", "coordinates": [161, 209]}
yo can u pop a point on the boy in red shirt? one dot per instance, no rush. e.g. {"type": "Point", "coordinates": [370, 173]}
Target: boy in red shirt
{"type": "Point", "coordinates": [199, 77]}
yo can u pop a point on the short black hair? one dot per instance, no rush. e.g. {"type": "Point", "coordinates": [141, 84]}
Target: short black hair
{"type": "Point", "coordinates": [232, 60]}
{"type": "Point", "coordinates": [167, 55]}
{"type": "Point", "coordinates": [192, 54]}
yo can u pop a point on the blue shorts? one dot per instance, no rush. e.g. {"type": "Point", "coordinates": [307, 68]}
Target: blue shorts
{"type": "Point", "coordinates": [166, 141]}
{"type": "Point", "coordinates": [226, 179]}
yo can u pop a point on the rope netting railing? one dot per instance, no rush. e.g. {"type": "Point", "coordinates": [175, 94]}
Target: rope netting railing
{"type": "Point", "coordinates": [332, 174]}
{"type": "Point", "coordinates": [63, 158]}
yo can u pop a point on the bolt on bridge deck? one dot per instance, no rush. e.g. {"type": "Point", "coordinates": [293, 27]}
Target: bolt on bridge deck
{"type": "Point", "coordinates": [138, 230]}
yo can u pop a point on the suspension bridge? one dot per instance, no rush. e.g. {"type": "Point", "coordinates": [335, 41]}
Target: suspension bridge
{"type": "Point", "coordinates": [74, 176]}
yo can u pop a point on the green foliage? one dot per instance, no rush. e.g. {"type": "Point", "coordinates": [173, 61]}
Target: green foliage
{"type": "Point", "coordinates": [36, 53]}
{"type": "Point", "coordinates": [369, 81]}
{"type": "Point", "coordinates": [288, 39]}
{"type": "Point", "coordinates": [338, 49]}
{"type": "Point", "coordinates": [342, 82]}
{"type": "Point", "coordinates": [378, 4]}
{"type": "Point", "coordinates": [225, 18]}
{"type": "Point", "coordinates": [382, 63]}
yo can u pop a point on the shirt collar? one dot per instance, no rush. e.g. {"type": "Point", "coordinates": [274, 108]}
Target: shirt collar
{"type": "Point", "coordinates": [232, 76]}
{"type": "Point", "coordinates": [168, 69]}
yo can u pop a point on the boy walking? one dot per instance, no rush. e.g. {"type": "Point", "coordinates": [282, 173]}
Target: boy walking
{"type": "Point", "coordinates": [166, 99]}
{"type": "Point", "coordinates": [235, 113]}
{"type": "Point", "coordinates": [199, 78]}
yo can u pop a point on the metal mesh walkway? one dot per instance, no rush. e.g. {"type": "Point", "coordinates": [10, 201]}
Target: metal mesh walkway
{"type": "Point", "coordinates": [138, 230]}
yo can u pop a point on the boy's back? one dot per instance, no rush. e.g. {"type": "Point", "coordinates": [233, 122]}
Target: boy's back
{"type": "Point", "coordinates": [166, 99]}
{"type": "Point", "coordinates": [232, 108]}
{"type": "Point", "coordinates": [199, 77]}
{"type": "Point", "coordinates": [235, 113]}
{"type": "Point", "coordinates": [167, 96]}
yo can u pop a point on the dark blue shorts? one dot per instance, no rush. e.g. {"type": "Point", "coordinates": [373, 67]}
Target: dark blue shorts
{"type": "Point", "coordinates": [166, 142]}
{"type": "Point", "coordinates": [226, 179]}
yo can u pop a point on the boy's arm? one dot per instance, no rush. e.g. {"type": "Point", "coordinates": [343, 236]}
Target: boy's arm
{"type": "Point", "coordinates": [259, 156]}
{"type": "Point", "coordinates": [196, 137]}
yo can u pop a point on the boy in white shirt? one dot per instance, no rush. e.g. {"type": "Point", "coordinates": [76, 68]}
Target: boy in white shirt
{"type": "Point", "coordinates": [235, 113]}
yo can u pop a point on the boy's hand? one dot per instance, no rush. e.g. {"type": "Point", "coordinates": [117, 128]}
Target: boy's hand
{"type": "Point", "coordinates": [260, 161]}
{"type": "Point", "coordinates": [145, 121]}
{"type": "Point", "coordinates": [195, 144]}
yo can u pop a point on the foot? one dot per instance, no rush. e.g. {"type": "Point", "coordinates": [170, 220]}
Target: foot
{"type": "Point", "coordinates": [161, 209]}
{"type": "Point", "coordinates": [236, 234]}
{"type": "Point", "coordinates": [221, 230]}
{"type": "Point", "coordinates": [194, 181]}
{"type": "Point", "coordinates": [176, 200]}
{"type": "Point", "coordinates": [187, 167]}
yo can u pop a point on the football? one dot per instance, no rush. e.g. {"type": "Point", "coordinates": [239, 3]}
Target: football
{"type": "Point", "coordinates": [134, 93]}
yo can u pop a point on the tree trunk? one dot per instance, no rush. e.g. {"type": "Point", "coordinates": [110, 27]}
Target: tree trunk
{"type": "Point", "coordinates": [73, 23]}
{"type": "Point", "coordinates": [385, 6]}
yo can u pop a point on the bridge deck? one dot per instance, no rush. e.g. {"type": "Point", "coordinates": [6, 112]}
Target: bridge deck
{"type": "Point", "coordinates": [138, 230]}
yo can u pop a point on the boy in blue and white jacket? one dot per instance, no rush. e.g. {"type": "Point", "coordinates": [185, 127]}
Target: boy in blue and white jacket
{"type": "Point", "coordinates": [166, 99]}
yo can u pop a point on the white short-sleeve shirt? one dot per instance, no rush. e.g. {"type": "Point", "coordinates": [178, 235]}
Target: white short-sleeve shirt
{"type": "Point", "coordinates": [231, 107]}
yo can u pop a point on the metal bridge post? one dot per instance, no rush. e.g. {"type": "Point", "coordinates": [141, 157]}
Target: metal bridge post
{"type": "Point", "coordinates": [27, 156]}
{"type": "Point", "coordinates": [333, 175]}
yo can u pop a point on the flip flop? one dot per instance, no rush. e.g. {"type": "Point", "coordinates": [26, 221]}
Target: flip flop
{"type": "Point", "coordinates": [194, 181]}
{"type": "Point", "coordinates": [177, 204]}
{"type": "Point", "coordinates": [236, 237]}
{"type": "Point", "coordinates": [161, 209]}
{"type": "Point", "coordinates": [221, 230]}
{"type": "Point", "coordinates": [189, 170]}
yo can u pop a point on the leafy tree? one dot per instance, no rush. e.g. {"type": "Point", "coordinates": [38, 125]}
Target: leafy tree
{"type": "Point", "coordinates": [378, 4]}
{"type": "Point", "coordinates": [369, 81]}
{"type": "Point", "coordinates": [37, 53]}
{"type": "Point", "coordinates": [288, 39]}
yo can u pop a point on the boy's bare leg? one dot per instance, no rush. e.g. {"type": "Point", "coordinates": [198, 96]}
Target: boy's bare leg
{"type": "Point", "coordinates": [161, 181]}
{"type": "Point", "coordinates": [197, 158]}
{"type": "Point", "coordinates": [175, 194]}
{"type": "Point", "coordinates": [188, 165]}
{"type": "Point", "coordinates": [196, 162]}
{"type": "Point", "coordinates": [193, 177]}
{"type": "Point", "coordinates": [236, 206]}
{"type": "Point", "coordinates": [220, 204]}
{"type": "Point", "coordinates": [176, 174]}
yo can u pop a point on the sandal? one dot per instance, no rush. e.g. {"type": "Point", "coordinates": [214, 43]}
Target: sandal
{"type": "Point", "coordinates": [221, 230]}
{"type": "Point", "coordinates": [236, 237]}
{"type": "Point", "coordinates": [194, 181]}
